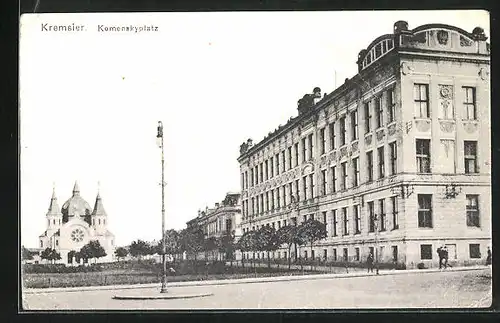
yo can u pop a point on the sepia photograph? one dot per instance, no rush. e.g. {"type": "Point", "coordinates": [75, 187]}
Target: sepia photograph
{"type": "Point", "coordinates": [258, 160]}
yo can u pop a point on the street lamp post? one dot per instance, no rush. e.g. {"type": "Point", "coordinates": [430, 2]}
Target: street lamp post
{"type": "Point", "coordinates": [159, 137]}
{"type": "Point", "coordinates": [376, 243]}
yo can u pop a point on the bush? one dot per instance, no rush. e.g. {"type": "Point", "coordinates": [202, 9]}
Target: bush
{"type": "Point", "coordinates": [59, 268]}
{"type": "Point", "coordinates": [421, 265]}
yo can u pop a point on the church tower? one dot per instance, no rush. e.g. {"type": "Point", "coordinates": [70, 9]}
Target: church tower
{"type": "Point", "coordinates": [99, 216]}
{"type": "Point", "coordinates": [54, 215]}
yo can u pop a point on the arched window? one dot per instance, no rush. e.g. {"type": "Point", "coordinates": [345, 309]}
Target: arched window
{"type": "Point", "coordinates": [93, 221]}
{"type": "Point", "coordinates": [41, 244]}
{"type": "Point", "coordinates": [99, 221]}
{"type": "Point", "coordinates": [54, 221]}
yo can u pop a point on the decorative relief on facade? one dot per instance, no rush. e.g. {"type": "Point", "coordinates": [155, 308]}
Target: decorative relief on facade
{"type": "Point", "coordinates": [445, 91]}
{"type": "Point", "coordinates": [442, 37]}
{"type": "Point", "coordinates": [484, 73]}
{"type": "Point", "coordinates": [355, 147]}
{"type": "Point", "coordinates": [470, 127]}
{"type": "Point", "coordinates": [405, 68]}
{"type": "Point", "coordinates": [380, 134]}
{"type": "Point", "coordinates": [447, 126]}
{"type": "Point", "coordinates": [391, 130]}
{"type": "Point", "coordinates": [307, 168]}
{"type": "Point", "coordinates": [465, 42]}
{"type": "Point", "coordinates": [423, 125]}
{"type": "Point", "coordinates": [447, 144]}
{"type": "Point", "coordinates": [445, 100]}
{"type": "Point", "coordinates": [368, 140]}
{"type": "Point", "coordinates": [343, 152]}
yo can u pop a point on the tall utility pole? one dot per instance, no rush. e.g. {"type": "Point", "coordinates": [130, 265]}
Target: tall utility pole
{"type": "Point", "coordinates": [159, 138]}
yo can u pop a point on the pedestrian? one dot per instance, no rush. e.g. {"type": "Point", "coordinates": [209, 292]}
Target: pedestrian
{"type": "Point", "coordinates": [440, 255]}
{"type": "Point", "coordinates": [369, 262]}
{"type": "Point", "coordinates": [445, 257]}
{"type": "Point", "coordinates": [488, 257]}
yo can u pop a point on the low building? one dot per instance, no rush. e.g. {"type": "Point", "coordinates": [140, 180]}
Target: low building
{"type": "Point", "coordinates": [396, 161]}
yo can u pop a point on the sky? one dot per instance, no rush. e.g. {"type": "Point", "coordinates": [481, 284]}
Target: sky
{"type": "Point", "coordinates": [90, 102]}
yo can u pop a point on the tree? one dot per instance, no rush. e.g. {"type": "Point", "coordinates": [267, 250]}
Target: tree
{"type": "Point", "coordinates": [312, 231]}
{"type": "Point", "coordinates": [46, 254]}
{"type": "Point", "coordinates": [71, 254]}
{"type": "Point", "coordinates": [26, 254]}
{"type": "Point", "coordinates": [172, 243]}
{"type": "Point", "coordinates": [121, 252]}
{"type": "Point", "coordinates": [210, 245]}
{"type": "Point", "coordinates": [267, 240]}
{"type": "Point", "coordinates": [55, 256]}
{"type": "Point", "coordinates": [139, 248]}
{"type": "Point", "coordinates": [192, 241]}
{"type": "Point", "coordinates": [247, 242]}
{"type": "Point", "coordinates": [288, 235]}
{"type": "Point", "coordinates": [97, 251]}
{"type": "Point", "coordinates": [226, 245]}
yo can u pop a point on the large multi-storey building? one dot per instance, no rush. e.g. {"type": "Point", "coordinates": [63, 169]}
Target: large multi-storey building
{"type": "Point", "coordinates": [224, 218]}
{"type": "Point", "coordinates": [396, 161]}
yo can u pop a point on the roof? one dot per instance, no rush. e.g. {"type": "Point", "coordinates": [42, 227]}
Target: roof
{"type": "Point", "coordinates": [98, 207]}
{"type": "Point", "coordinates": [54, 206]}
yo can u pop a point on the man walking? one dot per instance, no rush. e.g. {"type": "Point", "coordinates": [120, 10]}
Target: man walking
{"type": "Point", "coordinates": [369, 262]}
{"type": "Point", "coordinates": [445, 257]}
{"type": "Point", "coordinates": [488, 257]}
{"type": "Point", "coordinates": [440, 255]}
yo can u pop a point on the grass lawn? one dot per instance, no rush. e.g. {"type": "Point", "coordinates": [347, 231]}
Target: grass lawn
{"type": "Point", "coordinates": [143, 275]}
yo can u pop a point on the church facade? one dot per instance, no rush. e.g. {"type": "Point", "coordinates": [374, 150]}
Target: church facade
{"type": "Point", "coordinates": [74, 225]}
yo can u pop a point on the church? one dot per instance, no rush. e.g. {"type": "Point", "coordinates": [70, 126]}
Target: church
{"type": "Point", "coordinates": [74, 225]}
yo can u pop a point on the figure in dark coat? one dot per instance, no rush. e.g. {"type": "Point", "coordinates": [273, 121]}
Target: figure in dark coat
{"type": "Point", "coordinates": [441, 256]}
{"type": "Point", "coordinates": [488, 257]}
{"type": "Point", "coordinates": [369, 262]}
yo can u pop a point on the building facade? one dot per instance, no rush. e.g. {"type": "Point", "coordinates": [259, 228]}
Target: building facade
{"type": "Point", "coordinates": [74, 225]}
{"type": "Point", "coordinates": [396, 161]}
{"type": "Point", "coordinates": [223, 218]}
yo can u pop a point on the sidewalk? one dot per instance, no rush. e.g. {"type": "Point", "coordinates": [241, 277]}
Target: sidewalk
{"type": "Point", "coordinates": [251, 280]}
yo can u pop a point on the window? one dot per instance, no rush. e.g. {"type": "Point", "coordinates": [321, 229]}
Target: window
{"type": "Point", "coordinates": [368, 118]}
{"type": "Point", "coordinates": [470, 157]}
{"type": "Point", "coordinates": [425, 211]}
{"type": "Point", "coordinates": [312, 254]}
{"type": "Point", "coordinates": [311, 146]}
{"type": "Point", "coordinates": [357, 220]}
{"type": "Point", "coordinates": [343, 183]}
{"type": "Point", "coordinates": [279, 224]}
{"type": "Point", "coordinates": [284, 196]}
{"type": "Point", "coordinates": [381, 162]}
{"type": "Point", "coordinates": [267, 201]}
{"type": "Point", "coordinates": [394, 203]}
{"type": "Point", "coordinates": [470, 102]}
{"type": "Point", "coordinates": [425, 251]}
{"type": "Point", "coordinates": [290, 192]}
{"type": "Point", "coordinates": [41, 244]}
{"type": "Point", "coordinates": [346, 221]}
{"type": "Point", "coordinates": [253, 205]}
{"type": "Point", "coordinates": [297, 189]}
{"type": "Point", "coordinates": [296, 146]}
{"type": "Point", "coordinates": [354, 125]}
{"type": "Point", "coordinates": [334, 180]}
{"type": "Point", "coordinates": [381, 204]}
{"type": "Point", "coordinates": [283, 165]}
{"type": "Point", "coordinates": [305, 254]}
{"type": "Point", "coordinates": [334, 254]}
{"type": "Point", "coordinates": [472, 210]}
{"type": "Point", "coordinates": [271, 163]}
{"type": "Point", "coordinates": [371, 217]}
{"type": "Point", "coordinates": [325, 254]}
{"type": "Point", "coordinates": [277, 157]}
{"type": "Point", "coordinates": [379, 112]}
{"type": "Point", "coordinates": [272, 199]}
{"type": "Point", "coordinates": [99, 221]}
{"type": "Point", "coordinates": [394, 156]}
{"type": "Point", "coordinates": [278, 197]}
{"type": "Point", "coordinates": [332, 135]}
{"type": "Point", "coordinates": [261, 172]}
{"type": "Point", "coordinates": [324, 218]}
{"type": "Point", "coordinates": [57, 242]}
{"type": "Point", "coordinates": [304, 218]}
{"type": "Point", "coordinates": [262, 203]}
{"type": "Point", "coordinates": [423, 155]}
{"type": "Point", "coordinates": [290, 157]}
{"type": "Point", "coordinates": [369, 163]}
{"type": "Point", "coordinates": [311, 185]}
{"type": "Point", "coordinates": [323, 141]}
{"type": "Point", "coordinates": [251, 177]}
{"type": "Point", "coordinates": [356, 250]}
{"type": "Point", "coordinates": [323, 182]}
{"type": "Point", "coordinates": [355, 178]}
{"type": "Point", "coordinates": [474, 251]}
{"type": "Point", "coordinates": [267, 169]}
{"type": "Point", "coordinates": [421, 100]}
{"type": "Point", "coordinates": [346, 254]}
{"type": "Point", "coordinates": [342, 132]}
{"type": "Point", "coordinates": [334, 222]}
{"type": "Point", "coordinates": [391, 106]}
{"type": "Point", "coordinates": [304, 150]}
{"type": "Point", "coordinates": [304, 186]}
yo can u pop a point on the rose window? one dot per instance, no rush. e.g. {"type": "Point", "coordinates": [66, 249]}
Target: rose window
{"type": "Point", "coordinates": [77, 235]}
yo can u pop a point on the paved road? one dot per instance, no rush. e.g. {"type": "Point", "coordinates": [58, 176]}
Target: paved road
{"type": "Point", "coordinates": [421, 290]}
